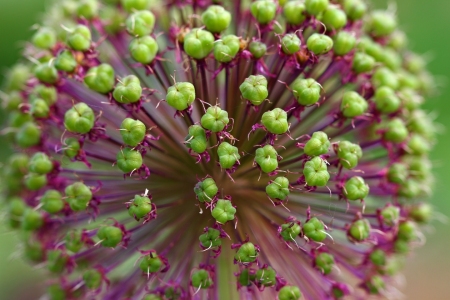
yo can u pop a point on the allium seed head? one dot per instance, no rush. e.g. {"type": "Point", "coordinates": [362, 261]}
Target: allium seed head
{"type": "Point", "coordinates": [180, 149]}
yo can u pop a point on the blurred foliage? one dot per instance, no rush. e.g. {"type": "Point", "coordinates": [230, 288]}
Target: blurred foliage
{"type": "Point", "coordinates": [424, 22]}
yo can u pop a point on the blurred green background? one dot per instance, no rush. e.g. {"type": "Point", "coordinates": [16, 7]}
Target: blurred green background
{"type": "Point", "coordinates": [425, 22]}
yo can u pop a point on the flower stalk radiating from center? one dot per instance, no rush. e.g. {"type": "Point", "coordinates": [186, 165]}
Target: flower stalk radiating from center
{"type": "Point", "coordinates": [193, 150]}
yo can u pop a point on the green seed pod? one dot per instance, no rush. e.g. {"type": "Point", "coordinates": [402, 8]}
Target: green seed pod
{"type": "Point", "coordinates": [421, 123]}
{"type": "Point", "coordinates": [211, 238]}
{"type": "Point", "coordinates": [17, 119]}
{"type": "Point", "coordinates": [32, 219]}
{"type": "Point", "coordinates": [205, 190]}
{"type": "Point", "coordinates": [79, 119]}
{"type": "Point", "coordinates": [246, 278]}
{"type": "Point", "coordinates": [290, 231]}
{"type": "Point", "coordinates": [334, 18]}
{"type": "Point", "coordinates": [353, 105]}
{"type": "Point", "coordinates": [140, 207]}
{"type": "Point", "coordinates": [306, 91]}
{"type": "Point", "coordinates": [418, 145]}
{"type": "Point", "coordinates": [415, 63]}
{"type": "Point", "coordinates": [267, 158]}
{"type": "Point", "coordinates": [359, 230]}
{"type": "Point", "coordinates": [144, 49]}
{"type": "Point", "coordinates": [18, 163]}
{"type": "Point", "coordinates": [378, 257]}
{"type": "Point", "coordinates": [100, 79]}
{"type": "Point", "coordinates": [80, 38]}
{"type": "Point", "coordinates": [46, 93]}
{"type": "Point", "coordinates": [246, 253]}
{"type": "Point", "coordinates": [407, 231]}
{"type": "Point", "coordinates": [294, 12]}
{"type": "Point", "coordinates": [215, 119]}
{"type": "Point", "coordinates": [92, 279]}
{"type": "Point", "coordinates": [128, 90]}
{"type": "Point", "coordinates": [355, 9]}
{"type": "Point", "coordinates": [397, 40]}
{"type": "Point", "coordinates": [391, 59]}
{"type": "Point", "coordinates": [13, 100]}
{"type": "Point", "coordinates": [324, 262]}
{"type": "Point", "coordinates": [319, 43]}
{"type": "Point", "coordinates": [318, 144]}
{"type": "Point", "coordinates": [110, 236]}
{"type": "Point", "coordinates": [52, 201]}
{"type": "Point", "coordinates": [73, 240]}
{"type": "Point", "coordinates": [375, 285]}
{"type": "Point", "coordinates": [386, 101]}
{"type": "Point", "coordinates": [34, 251]}
{"type": "Point", "coordinates": [132, 131]}
{"type": "Point", "coordinates": [198, 43]}
{"type": "Point", "coordinates": [411, 100]}
{"type": "Point", "coordinates": [314, 230]}
{"type": "Point", "coordinates": [363, 63]}
{"type": "Point", "coordinates": [401, 247]}
{"type": "Point", "coordinates": [44, 38]}
{"type": "Point", "coordinates": [356, 189]}
{"type": "Point", "coordinates": [315, 7]}
{"type": "Point", "coordinates": [65, 61]}
{"type": "Point", "coordinates": [278, 189]}
{"type": "Point", "coordinates": [257, 49]}
{"type": "Point", "coordinates": [410, 189]}
{"type": "Point", "coordinates": [35, 182]}
{"type": "Point", "coordinates": [46, 73]}
{"type": "Point", "coordinates": [266, 276]}
{"type": "Point", "coordinates": [78, 196]}
{"type": "Point", "coordinates": [28, 135]}
{"type": "Point", "coordinates": [140, 23]}
{"type": "Point", "coordinates": [289, 292]}
{"type": "Point", "coordinates": [421, 213]}
{"type": "Point", "coordinates": [349, 154]}
{"type": "Point", "coordinates": [87, 9]}
{"type": "Point", "coordinates": [181, 95]}
{"type": "Point", "coordinates": [264, 11]}
{"type": "Point", "coordinates": [396, 131]}
{"type": "Point", "coordinates": [39, 108]}
{"type": "Point", "coordinates": [133, 5]}
{"type": "Point", "coordinates": [275, 121]}
{"type": "Point", "coordinates": [216, 18]}
{"type": "Point", "coordinates": [394, 264]}
{"type": "Point", "coordinates": [112, 19]}
{"type": "Point", "coordinates": [223, 211]}
{"type": "Point", "coordinates": [254, 89]}
{"type": "Point", "coordinates": [16, 209]}
{"type": "Point", "coordinates": [390, 215]}
{"type": "Point", "coordinates": [56, 261]}
{"type": "Point", "coordinates": [385, 77]}
{"type": "Point", "coordinates": [290, 44]}
{"type": "Point", "coordinates": [201, 279]}
{"type": "Point", "coordinates": [372, 48]}
{"type": "Point", "coordinates": [226, 48]}
{"type": "Point", "coordinates": [56, 292]}
{"type": "Point", "coordinates": [381, 23]}
{"type": "Point", "coordinates": [397, 173]}
{"type": "Point", "coordinates": [228, 155]}
{"type": "Point", "coordinates": [410, 83]}
{"type": "Point", "coordinates": [72, 147]}
{"type": "Point", "coordinates": [343, 43]}
{"type": "Point", "coordinates": [316, 172]}
{"type": "Point", "coordinates": [129, 160]}
{"type": "Point", "coordinates": [17, 77]}
{"type": "Point", "coordinates": [196, 139]}
{"type": "Point", "coordinates": [40, 163]}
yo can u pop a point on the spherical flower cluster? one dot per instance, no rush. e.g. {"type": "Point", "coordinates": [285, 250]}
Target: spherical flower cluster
{"type": "Point", "coordinates": [207, 149]}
